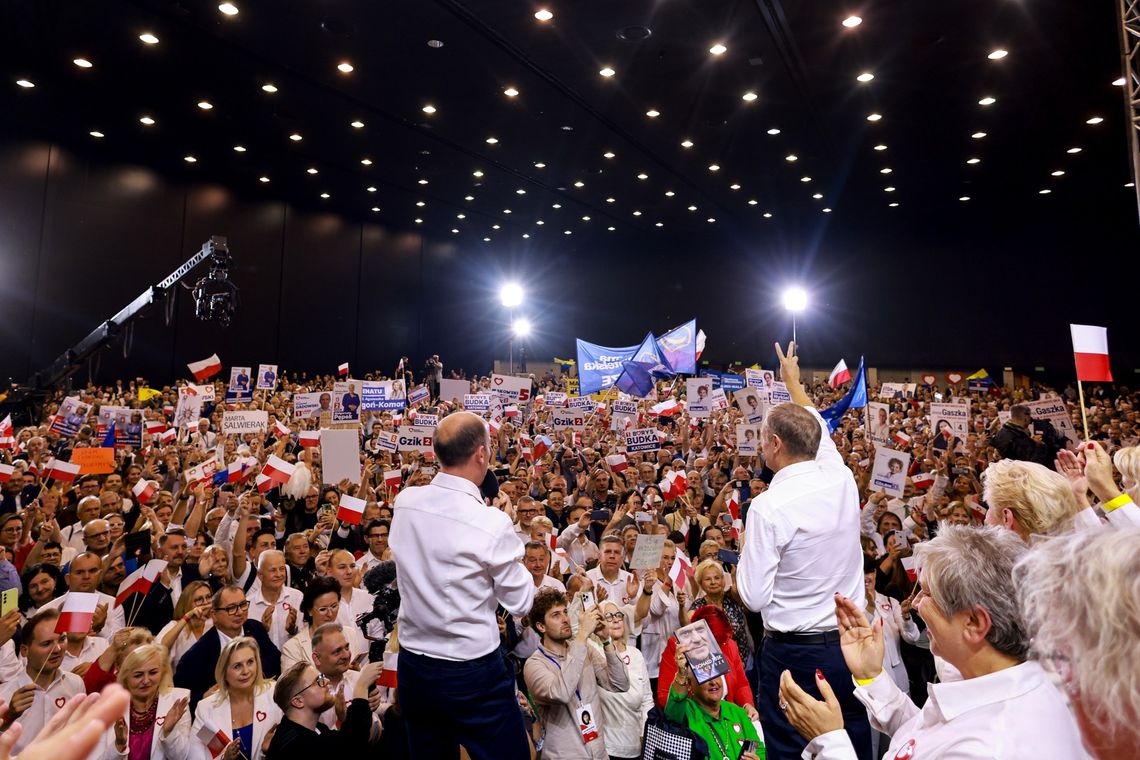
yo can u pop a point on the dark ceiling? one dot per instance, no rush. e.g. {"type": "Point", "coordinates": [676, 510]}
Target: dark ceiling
{"type": "Point", "coordinates": [577, 153]}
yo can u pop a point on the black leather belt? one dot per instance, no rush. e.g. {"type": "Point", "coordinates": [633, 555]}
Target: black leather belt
{"type": "Point", "coordinates": [823, 637]}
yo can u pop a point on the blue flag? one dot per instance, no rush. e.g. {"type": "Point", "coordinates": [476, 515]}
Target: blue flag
{"type": "Point", "coordinates": [600, 366]}
{"type": "Point", "coordinates": [636, 379]}
{"type": "Point", "coordinates": [109, 438]}
{"type": "Point", "coordinates": [679, 348]}
{"type": "Point", "coordinates": [856, 398]}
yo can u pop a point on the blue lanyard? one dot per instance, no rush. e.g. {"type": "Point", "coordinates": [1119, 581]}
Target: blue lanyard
{"type": "Point", "coordinates": [547, 656]}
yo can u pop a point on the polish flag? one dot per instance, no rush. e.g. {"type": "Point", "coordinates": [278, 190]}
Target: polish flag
{"type": "Point", "coordinates": [6, 472]}
{"type": "Point", "coordinates": [342, 370]}
{"type": "Point", "coordinates": [672, 486]}
{"type": "Point", "coordinates": [510, 411]}
{"type": "Point", "coordinates": [7, 434]}
{"type": "Point", "coordinates": [168, 435]}
{"type": "Point", "coordinates": [350, 510]}
{"type": "Point", "coordinates": [215, 739]}
{"type": "Point", "coordinates": [733, 504]}
{"type": "Point", "coordinates": [901, 438]}
{"type": "Point", "coordinates": [666, 408]}
{"type": "Point", "coordinates": [140, 581]}
{"type": "Point", "coordinates": [65, 471]}
{"type": "Point", "coordinates": [280, 430]}
{"type": "Point", "coordinates": [236, 471]}
{"type": "Point", "coordinates": [577, 439]}
{"type": "Point", "coordinates": [700, 348]}
{"type": "Point", "coordinates": [144, 490]}
{"type": "Point", "coordinates": [911, 569]}
{"type": "Point", "coordinates": [542, 445]}
{"type": "Point", "coordinates": [201, 473]}
{"type": "Point", "coordinates": [680, 571]}
{"type": "Point", "coordinates": [923, 479]}
{"type": "Point", "coordinates": [617, 462]}
{"type": "Point", "coordinates": [527, 453]}
{"type": "Point", "coordinates": [839, 375]}
{"type": "Point", "coordinates": [77, 612]}
{"type": "Point", "coordinates": [264, 483]}
{"type": "Point", "coordinates": [393, 478]}
{"type": "Point", "coordinates": [206, 368]}
{"type": "Point", "coordinates": [388, 674]}
{"type": "Point", "coordinates": [278, 469]}
{"type": "Point", "coordinates": [309, 438]}
{"type": "Point", "coordinates": [155, 427]}
{"type": "Point", "coordinates": [1090, 348]}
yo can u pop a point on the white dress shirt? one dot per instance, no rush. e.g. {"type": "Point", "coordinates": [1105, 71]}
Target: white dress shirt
{"type": "Point", "coordinates": [457, 560]}
{"type": "Point", "coordinates": [894, 628]}
{"type": "Point", "coordinates": [663, 619]}
{"type": "Point", "coordinates": [615, 590]}
{"type": "Point", "coordinates": [45, 703]}
{"type": "Point", "coordinates": [288, 599]}
{"type": "Point", "coordinates": [1013, 713]}
{"type": "Point", "coordinates": [367, 561]}
{"type": "Point", "coordinates": [299, 648]}
{"type": "Point", "coordinates": [802, 546]}
{"type": "Point", "coordinates": [92, 647]}
{"type": "Point", "coordinates": [350, 609]}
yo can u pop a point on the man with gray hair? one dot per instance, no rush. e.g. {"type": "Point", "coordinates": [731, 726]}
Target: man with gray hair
{"type": "Point", "coordinates": [1004, 707]}
{"type": "Point", "coordinates": [272, 602]}
{"type": "Point", "coordinates": [332, 657]}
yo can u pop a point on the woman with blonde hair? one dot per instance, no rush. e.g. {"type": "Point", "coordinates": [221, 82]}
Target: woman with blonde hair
{"type": "Point", "coordinates": [712, 584]}
{"type": "Point", "coordinates": [242, 708]}
{"type": "Point", "coordinates": [156, 724]}
{"type": "Point", "coordinates": [191, 619]}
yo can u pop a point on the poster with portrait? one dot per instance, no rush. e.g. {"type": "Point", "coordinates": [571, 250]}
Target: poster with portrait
{"type": "Point", "coordinates": [346, 401]}
{"type": "Point", "coordinates": [778, 394]}
{"type": "Point", "coordinates": [889, 471]}
{"type": "Point", "coordinates": [947, 423]}
{"type": "Point", "coordinates": [748, 440]}
{"type": "Point", "coordinates": [189, 407]}
{"type": "Point", "coordinates": [107, 415]}
{"type": "Point", "coordinates": [1056, 411]}
{"type": "Point", "coordinates": [71, 416]}
{"type": "Point", "coordinates": [719, 399]}
{"type": "Point", "coordinates": [312, 406]}
{"type": "Point", "coordinates": [697, 392]}
{"type": "Point", "coordinates": [128, 427]}
{"type": "Point", "coordinates": [382, 395]}
{"type": "Point", "coordinates": [266, 377]}
{"type": "Point", "coordinates": [704, 655]}
{"type": "Point", "coordinates": [239, 378]}
{"type": "Point", "coordinates": [754, 378]}
{"type": "Point", "coordinates": [750, 404]}
{"type": "Point", "coordinates": [897, 390]}
{"type": "Point", "coordinates": [878, 422]}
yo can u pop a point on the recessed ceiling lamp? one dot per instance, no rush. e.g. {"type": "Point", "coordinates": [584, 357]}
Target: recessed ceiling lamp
{"type": "Point", "coordinates": [190, 159]}
{"type": "Point", "coordinates": [370, 189]}
{"type": "Point", "coordinates": [344, 67]}
{"type": "Point", "coordinates": [606, 71]}
{"type": "Point", "coordinates": [239, 149]}
{"type": "Point", "coordinates": [608, 154]}
{"type": "Point", "coordinates": [325, 196]}
{"type": "Point", "coordinates": [714, 167]}
{"type": "Point", "coordinates": [27, 84]}
{"type": "Point", "coordinates": [964, 198]}
{"type": "Point", "coordinates": [492, 140]}
{"type": "Point", "coordinates": [978, 135]}
{"type": "Point", "coordinates": [1073, 150]}
{"type": "Point", "coordinates": [1046, 191]}
{"type": "Point", "coordinates": [998, 54]}
{"type": "Point", "coordinates": [422, 182]}
{"type": "Point", "coordinates": [148, 38]}
{"type": "Point", "coordinates": [366, 161]}
{"type": "Point", "coordinates": [263, 180]}
{"type": "Point", "coordinates": [579, 183]}
{"type": "Point", "coordinates": [520, 191]}
{"type": "Point", "coordinates": [852, 21]}
{"type": "Point", "coordinates": [817, 196]}
{"type": "Point", "coordinates": [973, 161]}
{"type": "Point", "coordinates": [988, 100]}
{"type": "Point", "coordinates": [511, 92]}
{"type": "Point", "coordinates": [888, 189]}
{"type": "Point", "coordinates": [147, 120]}
{"type": "Point", "coordinates": [791, 157]}
{"type": "Point", "coordinates": [866, 76]}
{"type": "Point", "coordinates": [436, 44]}
{"type": "Point", "coordinates": [357, 124]}
{"type": "Point", "coordinates": [269, 87]}
{"type": "Point", "coordinates": [229, 9]}
{"type": "Point", "coordinates": [767, 214]}
{"type": "Point", "coordinates": [311, 170]}
{"type": "Point", "coordinates": [83, 63]}
{"type": "Point", "coordinates": [539, 165]}
{"type": "Point", "coordinates": [653, 113]}
{"type": "Point", "coordinates": [774, 131]}
{"type": "Point", "coordinates": [477, 173]}
{"type": "Point", "coordinates": [205, 105]}
{"type": "Point", "coordinates": [885, 170]}
{"type": "Point", "coordinates": [428, 109]}
{"type": "Point", "coordinates": [874, 117]}
{"type": "Point", "coordinates": [643, 176]}
{"type": "Point", "coordinates": [542, 14]}
{"type": "Point", "coordinates": [686, 143]}
{"type": "Point", "coordinates": [96, 134]}
{"type": "Point", "coordinates": [752, 202]}
{"type": "Point", "coordinates": [718, 49]}
{"type": "Point", "coordinates": [669, 193]}
{"type": "Point", "coordinates": [1095, 120]}
{"type": "Point", "coordinates": [1118, 82]}
{"type": "Point", "coordinates": [805, 179]}
{"type": "Point", "coordinates": [295, 137]}
{"type": "Point", "coordinates": [1058, 173]}
{"type": "Point", "coordinates": [749, 96]}
{"type": "Point", "coordinates": [880, 146]}
{"type": "Point", "coordinates": [734, 186]}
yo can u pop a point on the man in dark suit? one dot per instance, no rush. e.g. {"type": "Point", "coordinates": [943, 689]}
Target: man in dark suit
{"type": "Point", "coordinates": [196, 668]}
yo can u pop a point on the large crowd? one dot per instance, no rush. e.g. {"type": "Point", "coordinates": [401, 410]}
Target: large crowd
{"type": "Point", "coordinates": [988, 610]}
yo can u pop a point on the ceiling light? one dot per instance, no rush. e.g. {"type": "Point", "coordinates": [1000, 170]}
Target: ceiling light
{"type": "Point", "coordinates": [866, 76]}
{"type": "Point", "coordinates": [607, 71]}
{"type": "Point", "coordinates": [539, 222]}
{"type": "Point", "coordinates": [1119, 82]}
{"type": "Point", "coordinates": [767, 214]}
{"type": "Point", "coordinates": [417, 220]}
{"type": "Point", "coordinates": [1046, 191]}
{"type": "Point", "coordinates": [611, 229]}
{"type": "Point", "coordinates": [506, 211]}
{"type": "Point", "coordinates": [686, 143]}
{"type": "Point", "coordinates": [190, 159]}
{"type": "Point", "coordinates": [366, 161]}
{"type": "Point", "coordinates": [611, 200]}
{"type": "Point", "coordinates": [357, 125]}
{"type": "Point", "coordinates": [893, 205]}
{"type": "Point", "coordinates": [880, 146]}
{"type": "Point", "coordinates": [96, 134]}
{"type": "Point", "coordinates": [469, 197]}
{"type": "Point", "coordinates": [542, 14]}
{"type": "Point", "coordinates": [973, 161]}
{"type": "Point", "coordinates": [1058, 173]}
{"type": "Point", "coordinates": [370, 189]}
{"type": "Point", "coordinates": [643, 176]}
{"type": "Point", "coordinates": [556, 205]}
{"type": "Point", "coordinates": [420, 204]}
{"type": "Point", "coordinates": [496, 227]}
{"type": "Point", "coordinates": [817, 196]}
{"type": "Point", "coordinates": [147, 120]}
{"type": "Point", "coordinates": [888, 189]}
{"type": "Point", "coordinates": [239, 149]}
{"type": "Point", "coordinates": [344, 67]}
{"type": "Point", "coordinates": [461, 216]}
{"type": "Point", "coordinates": [492, 140]}
{"type": "Point", "coordinates": [714, 167]}
{"type": "Point", "coordinates": [827, 211]}
{"type": "Point", "coordinates": [520, 191]}
{"type": "Point", "coordinates": [567, 128]}
{"type": "Point", "coordinates": [1130, 184]}
{"type": "Point", "coordinates": [428, 109]}
{"type": "Point", "coordinates": [539, 165]}
{"type": "Point", "coordinates": [637, 213]}
{"type": "Point", "coordinates": [311, 170]}
{"type": "Point", "coordinates": [325, 195]}
{"type": "Point", "coordinates": [579, 183]}
{"type": "Point", "coordinates": [269, 87]}
{"type": "Point", "coordinates": [978, 135]}
{"type": "Point", "coordinates": [567, 232]}
{"type": "Point", "coordinates": [205, 105]}
{"type": "Point", "coordinates": [791, 157]}
{"type": "Point", "coordinates": [692, 208]}
{"type": "Point", "coordinates": [670, 193]}
{"type": "Point", "coordinates": [711, 220]}
{"type": "Point", "coordinates": [653, 113]}
{"type": "Point", "coordinates": [1095, 120]}
{"type": "Point", "coordinates": [718, 49]}
{"type": "Point", "coordinates": [874, 117]}
{"type": "Point", "coordinates": [852, 21]}
{"type": "Point", "coordinates": [526, 235]}
{"type": "Point", "coordinates": [773, 131]}
{"type": "Point", "coordinates": [422, 182]}
{"type": "Point", "coordinates": [885, 170]}
{"type": "Point", "coordinates": [749, 96]}
{"type": "Point", "coordinates": [263, 180]}
{"type": "Point", "coordinates": [511, 92]}
{"type": "Point", "coordinates": [1073, 150]}
{"type": "Point", "coordinates": [477, 173]}
{"type": "Point", "coordinates": [436, 44]}
{"type": "Point", "coordinates": [148, 38]}
{"type": "Point", "coordinates": [805, 179]}
{"type": "Point", "coordinates": [998, 54]}
{"type": "Point", "coordinates": [988, 100]}
{"type": "Point", "coordinates": [229, 9]}
{"type": "Point", "coordinates": [608, 154]}
{"type": "Point", "coordinates": [83, 63]}
{"type": "Point", "coordinates": [25, 83]}
{"type": "Point", "coordinates": [585, 218]}
{"type": "Point", "coordinates": [486, 240]}
{"type": "Point", "coordinates": [964, 198]}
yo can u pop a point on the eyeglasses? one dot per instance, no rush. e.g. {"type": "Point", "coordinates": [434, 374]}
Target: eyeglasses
{"type": "Point", "coordinates": [103, 534]}
{"type": "Point", "coordinates": [377, 535]}
{"type": "Point", "coordinates": [330, 609]}
{"type": "Point", "coordinates": [234, 609]}
{"type": "Point", "coordinates": [612, 616]}
{"type": "Point", "coordinates": [321, 680]}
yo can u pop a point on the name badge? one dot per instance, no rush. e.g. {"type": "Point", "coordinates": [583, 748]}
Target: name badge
{"type": "Point", "coordinates": [586, 724]}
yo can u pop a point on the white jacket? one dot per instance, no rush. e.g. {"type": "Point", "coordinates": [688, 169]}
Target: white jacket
{"type": "Point", "coordinates": [175, 746]}
{"type": "Point", "coordinates": [625, 711]}
{"type": "Point", "coordinates": [266, 715]}
{"type": "Point", "coordinates": [894, 628]}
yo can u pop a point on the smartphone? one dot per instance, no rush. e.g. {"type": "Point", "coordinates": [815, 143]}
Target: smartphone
{"type": "Point", "coordinates": [726, 518]}
{"type": "Point", "coordinates": [738, 484]}
{"type": "Point", "coordinates": [587, 599]}
{"type": "Point", "coordinates": [748, 745]}
{"type": "Point", "coordinates": [728, 557]}
{"type": "Point", "coordinates": [600, 515]}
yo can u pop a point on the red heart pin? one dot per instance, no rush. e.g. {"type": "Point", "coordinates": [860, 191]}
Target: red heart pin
{"type": "Point", "coordinates": [160, 720]}
{"type": "Point", "coordinates": [60, 701]}
{"type": "Point", "coordinates": [954, 377]}
{"type": "Point", "coordinates": [260, 716]}
{"type": "Point", "coordinates": [285, 606]}
{"type": "Point", "coordinates": [906, 751]}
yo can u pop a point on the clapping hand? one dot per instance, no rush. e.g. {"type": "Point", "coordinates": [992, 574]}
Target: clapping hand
{"type": "Point", "coordinates": [808, 715]}
{"type": "Point", "coordinates": [860, 641]}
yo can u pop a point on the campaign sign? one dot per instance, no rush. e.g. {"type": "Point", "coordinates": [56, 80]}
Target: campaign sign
{"type": "Point", "coordinates": [71, 416]}
{"type": "Point", "coordinates": [1057, 413]}
{"type": "Point", "coordinates": [387, 441]}
{"type": "Point", "coordinates": [311, 406]}
{"type": "Point", "coordinates": [240, 423]}
{"type": "Point", "coordinates": [642, 439]}
{"type": "Point", "coordinates": [427, 420]}
{"type": "Point", "coordinates": [724, 380]}
{"type": "Point", "coordinates": [953, 417]}
{"type": "Point", "coordinates": [748, 439]}
{"type": "Point", "coordinates": [266, 377]}
{"type": "Point", "coordinates": [477, 402]}
{"type": "Point", "coordinates": [647, 552]}
{"type": "Point", "coordinates": [512, 389]}
{"type": "Point", "coordinates": [582, 403]}
{"type": "Point", "coordinates": [556, 398]}
{"type": "Point", "coordinates": [346, 401]}
{"type": "Point", "coordinates": [453, 390]}
{"type": "Point", "coordinates": [889, 471]}
{"type": "Point", "coordinates": [780, 394]}
{"type": "Point", "coordinates": [415, 438]}
{"type": "Point", "coordinates": [419, 395]}
{"type": "Point", "coordinates": [568, 419]}
{"type": "Point", "coordinates": [878, 418]}
{"type": "Point", "coordinates": [376, 395]}
{"type": "Point", "coordinates": [754, 378]}
{"type": "Point", "coordinates": [897, 390]}
{"type": "Point", "coordinates": [751, 405]}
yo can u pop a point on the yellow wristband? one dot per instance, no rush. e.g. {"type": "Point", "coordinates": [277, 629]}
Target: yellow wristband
{"type": "Point", "coordinates": [1119, 501]}
{"type": "Point", "coordinates": [865, 681]}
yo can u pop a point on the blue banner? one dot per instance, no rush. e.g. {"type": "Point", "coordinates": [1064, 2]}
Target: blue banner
{"type": "Point", "coordinates": [856, 398]}
{"type": "Point", "coordinates": [600, 366]}
{"type": "Point", "coordinates": [679, 348]}
{"type": "Point", "coordinates": [726, 380]}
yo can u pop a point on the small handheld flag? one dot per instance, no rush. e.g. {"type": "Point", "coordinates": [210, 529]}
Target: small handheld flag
{"type": "Point", "coordinates": [77, 612]}
{"type": "Point", "coordinates": [206, 368]}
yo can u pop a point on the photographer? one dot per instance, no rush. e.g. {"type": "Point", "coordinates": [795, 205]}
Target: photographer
{"type": "Point", "coordinates": [1013, 441]}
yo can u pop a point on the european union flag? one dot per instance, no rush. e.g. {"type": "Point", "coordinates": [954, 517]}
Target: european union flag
{"type": "Point", "coordinates": [635, 379]}
{"type": "Point", "coordinates": [856, 398]}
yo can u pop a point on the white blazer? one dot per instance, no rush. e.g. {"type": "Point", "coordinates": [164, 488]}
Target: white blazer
{"type": "Point", "coordinates": [894, 627]}
{"type": "Point", "coordinates": [266, 715]}
{"type": "Point", "coordinates": [176, 746]}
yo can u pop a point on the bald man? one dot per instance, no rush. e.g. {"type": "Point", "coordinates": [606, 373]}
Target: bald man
{"type": "Point", "coordinates": [458, 560]}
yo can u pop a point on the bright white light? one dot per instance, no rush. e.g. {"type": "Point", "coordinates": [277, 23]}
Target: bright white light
{"type": "Point", "coordinates": [998, 54]}
{"type": "Point", "coordinates": [866, 76]}
{"type": "Point", "coordinates": [874, 117]}
{"type": "Point", "coordinates": [748, 97]}
{"type": "Point", "coordinates": [653, 113]}
{"type": "Point", "coordinates": [714, 167]}
{"type": "Point", "coordinates": [880, 146]}
{"type": "Point", "coordinates": [973, 161]}
{"type": "Point", "coordinates": [521, 328]}
{"type": "Point", "coordinates": [978, 135]}
{"type": "Point", "coordinates": [774, 131]}
{"type": "Point", "coordinates": [543, 14]}
{"type": "Point", "coordinates": [189, 159]}
{"type": "Point", "coordinates": [344, 67]}
{"type": "Point", "coordinates": [1095, 120]}
{"type": "Point", "coordinates": [492, 140]}
{"type": "Point", "coordinates": [27, 84]}
{"type": "Point", "coordinates": [83, 63]}
{"type": "Point", "coordinates": [357, 125]}
{"type": "Point", "coordinates": [795, 299]}
{"type": "Point", "coordinates": [428, 109]}
{"type": "Point", "coordinates": [1073, 150]}
{"type": "Point", "coordinates": [1058, 173]}
{"type": "Point", "coordinates": [96, 134]}
{"type": "Point", "coordinates": [147, 120]}
{"type": "Point", "coordinates": [239, 149]}
{"type": "Point", "coordinates": [511, 295]}
{"type": "Point", "coordinates": [205, 105]}
{"type": "Point", "coordinates": [686, 143]}
{"type": "Point", "coordinates": [607, 72]}
{"type": "Point", "coordinates": [269, 87]}
{"type": "Point", "coordinates": [852, 21]}
{"type": "Point", "coordinates": [718, 49]}
{"type": "Point", "coordinates": [964, 198]}
{"type": "Point", "coordinates": [229, 9]}
{"type": "Point", "coordinates": [988, 100]}
{"type": "Point", "coordinates": [608, 154]}
{"type": "Point", "coordinates": [148, 38]}
{"type": "Point", "coordinates": [1118, 82]}
{"type": "Point", "coordinates": [791, 157]}
{"type": "Point", "coordinates": [511, 92]}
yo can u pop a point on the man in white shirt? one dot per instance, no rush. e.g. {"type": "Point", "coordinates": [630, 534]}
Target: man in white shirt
{"type": "Point", "coordinates": [332, 657]}
{"type": "Point", "coordinates": [458, 560]}
{"type": "Point", "coordinates": [33, 703]}
{"type": "Point", "coordinates": [537, 561]}
{"type": "Point", "coordinates": [609, 575]}
{"type": "Point", "coordinates": [83, 576]}
{"type": "Point", "coordinates": [273, 603]}
{"type": "Point", "coordinates": [376, 534]}
{"type": "Point", "coordinates": [354, 601]}
{"type": "Point", "coordinates": [802, 547]}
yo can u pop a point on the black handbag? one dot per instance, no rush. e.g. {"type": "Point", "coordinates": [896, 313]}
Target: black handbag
{"type": "Point", "coordinates": [665, 740]}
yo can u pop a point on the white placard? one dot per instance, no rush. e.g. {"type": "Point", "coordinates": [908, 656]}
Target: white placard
{"type": "Point", "coordinates": [511, 389]}
{"type": "Point", "coordinates": [948, 421]}
{"type": "Point", "coordinates": [427, 420]}
{"type": "Point", "coordinates": [779, 394]}
{"type": "Point", "coordinates": [748, 439]}
{"type": "Point", "coordinates": [415, 438]}
{"type": "Point", "coordinates": [240, 423]}
{"type": "Point", "coordinates": [582, 403]}
{"type": "Point", "coordinates": [568, 419]}
{"type": "Point", "coordinates": [340, 456]}
{"type": "Point", "coordinates": [697, 394]}
{"type": "Point", "coordinates": [453, 390]}
{"type": "Point", "coordinates": [476, 402]}
{"type": "Point", "coordinates": [751, 405]}
{"type": "Point", "coordinates": [311, 406]}
{"type": "Point", "coordinates": [643, 439]}
{"type": "Point", "coordinates": [1056, 411]}
{"type": "Point", "coordinates": [647, 552]}
{"type": "Point", "coordinates": [878, 422]}
{"type": "Point", "coordinates": [556, 398]}
{"type": "Point", "coordinates": [266, 377]}
{"type": "Point", "coordinates": [889, 471]}
{"type": "Point", "coordinates": [897, 390]}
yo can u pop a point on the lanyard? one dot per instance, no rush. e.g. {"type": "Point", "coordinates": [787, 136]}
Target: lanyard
{"type": "Point", "coordinates": [547, 656]}
{"type": "Point", "coordinates": [716, 738]}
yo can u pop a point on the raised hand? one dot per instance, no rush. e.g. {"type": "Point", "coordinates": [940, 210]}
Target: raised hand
{"type": "Point", "coordinates": [808, 715]}
{"type": "Point", "coordinates": [861, 642]}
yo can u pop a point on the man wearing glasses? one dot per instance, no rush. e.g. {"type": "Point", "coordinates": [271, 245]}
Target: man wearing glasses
{"type": "Point", "coordinates": [230, 615]}
{"type": "Point", "coordinates": [527, 509]}
{"type": "Point", "coordinates": [303, 694]}
{"type": "Point", "coordinates": [376, 534]}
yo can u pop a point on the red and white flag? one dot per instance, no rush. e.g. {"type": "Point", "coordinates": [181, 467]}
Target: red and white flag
{"type": "Point", "coordinates": [1090, 348]}
{"type": "Point", "coordinates": [65, 471]}
{"type": "Point", "coordinates": [264, 483]}
{"type": "Point", "coordinates": [923, 479]}
{"type": "Point", "coordinates": [388, 674]}
{"type": "Point", "coordinates": [733, 504]}
{"type": "Point", "coordinates": [155, 427]}
{"type": "Point", "coordinates": [77, 612]}
{"type": "Point", "coordinates": [6, 472]}
{"type": "Point", "coordinates": [839, 375]}
{"type": "Point", "coordinates": [215, 739]}
{"type": "Point", "coordinates": [901, 438]}
{"type": "Point", "coordinates": [911, 569]}
{"type": "Point", "coordinates": [617, 462]}
{"type": "Point", "coordinates": [206, 368]}
{"type": "Point", "coordinates": [666, 408]}
{"type": "Point", "coordinates": [309, 438]}
{"type": "Point", "coordinates": [527, 452]}
{"type": "Point", "coordinates": [393, 478]}
{"type": "Point", "coordinates": [168, 435]}
{"type": "Point", "coordinates": [237, 470]}
{"type": "Point", "coordinates": [278, 469]}
{"type": "Point", "coordinates": [201, 473]}
{"type": "Point", "coordinates": [542, 445]}
{"type": "Point", "coordinates": [350, 509]}
{"type": "Point", "coordinates": [342, 370]}
{"type": "Point", "coordinates": [7, 434]}
{"type": "Point", "coordinates": [510, 411]}
{"type": "Point", "coordinates": [144, 490]}
{"type": "Point", "coordinates": [680, 571]}
{"type": "Point", "coordinates": [672, 485]}
{"type": "Point", "coordinates": [140, 581]}
{"type": "Point", "coordinates": [280, 430]}
{"type": "Point", "coordinates": [700, 348]}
